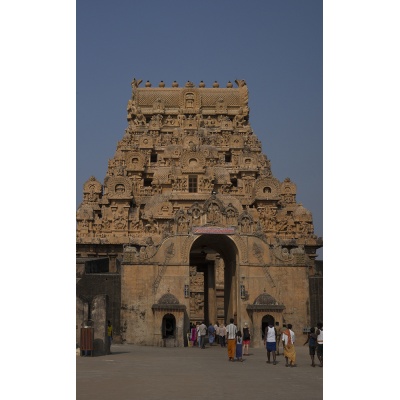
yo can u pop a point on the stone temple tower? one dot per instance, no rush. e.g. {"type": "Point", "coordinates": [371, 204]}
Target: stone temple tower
{"type": "Point", "coordinates": [192, 223]}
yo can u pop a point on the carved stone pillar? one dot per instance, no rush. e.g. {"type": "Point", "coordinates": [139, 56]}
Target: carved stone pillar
{"type": "Point", "coordinates": [212, 299]}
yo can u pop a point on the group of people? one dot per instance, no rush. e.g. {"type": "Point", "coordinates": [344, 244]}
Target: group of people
{"type": "Point", "coordinates": [216, 334]}
{"type": "Point", "coordinates": [272, 337]}
{"type": "Point", "coordinates": [238, 342]}
{"type": "Point", "coordinates": [315, 343]}
{"type": "Point", "coordinates": [225, 336]}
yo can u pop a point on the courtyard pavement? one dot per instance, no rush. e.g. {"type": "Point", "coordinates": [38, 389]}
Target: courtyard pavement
{"type": "Point", "coordinates": [158, 373]}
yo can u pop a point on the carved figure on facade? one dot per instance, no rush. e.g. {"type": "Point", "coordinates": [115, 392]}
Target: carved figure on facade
{"type": "Point", "coordinates": [158, 106]}
{"type": "Point", "coordinates": [156, 121]}
{"type": "Point", "coordinates": [214, 214]}
{"type": "Point", "coordinates": [248, 182]}
{"type": "Point", "coordinates": [140, 119]}
{"type": "Point", "coordinates": [239, 120]}
{"type": "Point", "coordinates": [152, 225]}
{"type": "Point", "coordinates": [120, 222]}
{"type": "Point", "coordinates": [245, 223]}
{"type": "Point", "coordinates": [231, 214]}
{"type": "Point", "coordinates": [195, 212]}
{"type": "Point", "coordinates": [92, 190]}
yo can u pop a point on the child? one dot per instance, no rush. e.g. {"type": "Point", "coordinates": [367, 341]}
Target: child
{"type": "Point", "coordinates": [312, 344]}
{"type": "Point", "coordinates": [239, 345]}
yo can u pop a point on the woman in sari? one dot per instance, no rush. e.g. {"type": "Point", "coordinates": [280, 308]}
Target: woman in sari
{"type": "Point", "coordinates": [193, 335]}
{"type": "Point", "coordinates": [289, 351]}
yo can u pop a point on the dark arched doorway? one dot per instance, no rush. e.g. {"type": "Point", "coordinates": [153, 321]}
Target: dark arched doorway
{"type": "Point", "coordinates": [168, 326]}
{"type": "Point", "coordinates": [213, 279]}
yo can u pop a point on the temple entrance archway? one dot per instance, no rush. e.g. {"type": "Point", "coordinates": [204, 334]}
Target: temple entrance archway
{"type": "Point", "coordinates": [168, 326]}
{"type": "Point", "coordinates": [213, 279]}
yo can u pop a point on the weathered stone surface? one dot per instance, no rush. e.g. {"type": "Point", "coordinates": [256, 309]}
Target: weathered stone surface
{"type": "Point", "coordinates": [189, 207]}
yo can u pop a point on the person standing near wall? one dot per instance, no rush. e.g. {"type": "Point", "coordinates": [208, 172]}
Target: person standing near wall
{"type": "Point", "coordinates": [211, 334]}
{"type": "Point", "coordinates": [231, 331]}
{"type": "Point", "coordinates": [222, 335]}
{"type": "Point", "coordinates": [278, 336]}
{"type": "Point", "coordinates": [288, 339]}
{"type": "Point", "coordinates": [246, 339]}
{"type": "Point", "coordinates": [270, 342]}
{"type": "Point", "coordinates": [216, 327]}
{"type": "Point", "coordinates": [203, 332]}
{"type": "Point", "coordinates": [239, 346]}
{"type": "Point", "coordinates": [320, 342]}
{"type": "Point", "coordinates": [109, 336]}
{"type": "Point", "coordinates": [198, 334]}
{"type": "Point", "coordinates": [312, 344]}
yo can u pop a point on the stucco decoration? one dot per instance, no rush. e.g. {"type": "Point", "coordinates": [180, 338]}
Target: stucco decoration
{"type": "Point", "coordinates": [168, 298]}
{"type": "Point", "coordinates": [168, 302]}
{"type": "Point", "coordinates": [92, 190]}
{"type": "Point", "coordinates": [264, 303]}
{"type": "Point", "coordinates": [119, 187]}
{"type": "Point", "coordinates": [268, 188]}
{"type": "Point", "coordinates": [192, 161]}
{"type": "Point", "coordinates": [85, 212]}
{"type": "Point", "coordinates": [135, 161]}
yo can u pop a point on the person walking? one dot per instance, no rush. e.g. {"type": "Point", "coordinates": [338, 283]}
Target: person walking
{"type": "Point", "coordinates": [231, 331]}
{"type": "Point", "coordinates": [288, 339]}
{"type": "Point", "coordinates": [211, 334]}
{"type": "Point", "coordinates": [216, 327]}
{"type": "Point", "coordinates": [198, 334]}
{"type": "Point", "coordinates": [312, 344]}
{"type": "Point", "coordinates": [278, 336]}
{"type": "Point", "coordinates": [203, 332]}
{"type": "Point", "coordinates": [246, 339]}
{"type": "Point", "coordinates": [109, 336]}
{"type": "Point", "coordinates": [239, 347]}
{"type": "Point", "coordinates": [320, 342]}
{"type": "Point", "coordinates": [193, 335]}
{"type": "Point", "coordinates": [270, 342]}
{"type": "Point", "coordinates": [222, 335]}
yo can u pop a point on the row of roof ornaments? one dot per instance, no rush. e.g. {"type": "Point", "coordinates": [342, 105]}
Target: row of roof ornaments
{"type": "Point", "coordinates": [135, 83]}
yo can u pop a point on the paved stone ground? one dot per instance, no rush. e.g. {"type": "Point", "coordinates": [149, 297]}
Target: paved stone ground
{"type": "Point", "coordinates": [147, 373]}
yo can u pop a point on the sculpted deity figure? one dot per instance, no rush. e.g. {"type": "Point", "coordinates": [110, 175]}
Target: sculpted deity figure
{"type": "Point", "coordinates": [140, 118]}
{"type": "Point", "coordinates": [239, 119]}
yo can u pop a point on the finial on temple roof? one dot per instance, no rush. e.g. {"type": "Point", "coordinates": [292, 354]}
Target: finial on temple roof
{"type": "Point", "coordinates": [240, 82]}
{"type": "Point", "coordinates": [136, 83]}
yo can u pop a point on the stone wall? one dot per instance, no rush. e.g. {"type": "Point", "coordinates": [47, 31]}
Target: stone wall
{"type": "Point", "coordinates": [91, 285]}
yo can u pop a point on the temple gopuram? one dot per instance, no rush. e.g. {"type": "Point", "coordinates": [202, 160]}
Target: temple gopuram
{"type": "Point", "coordinates": [190, 225]}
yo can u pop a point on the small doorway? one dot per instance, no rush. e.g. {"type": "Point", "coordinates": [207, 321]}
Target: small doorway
{"type": "Point", "coordinates": [168, 326]}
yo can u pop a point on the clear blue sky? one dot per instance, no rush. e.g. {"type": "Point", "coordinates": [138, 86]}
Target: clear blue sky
{"type": "Point", "coordinates": [276, 46]}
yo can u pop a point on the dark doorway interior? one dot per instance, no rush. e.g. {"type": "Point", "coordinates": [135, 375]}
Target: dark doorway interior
{"type": "Point", "coordinates": [168, 326]}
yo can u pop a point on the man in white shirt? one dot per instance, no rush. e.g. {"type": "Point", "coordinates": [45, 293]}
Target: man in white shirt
{"type": "Point", "coordinates": [203, 332]}
{"type": "Point", "coordinates": [270, 342]}
{"type": "Point", "coordinates": [231, 331]}
{"type": "Point", "coordinates": [320, 342]}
